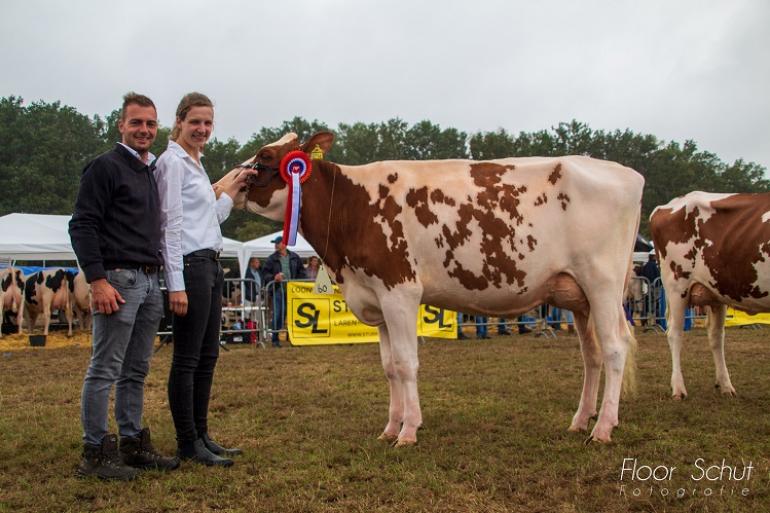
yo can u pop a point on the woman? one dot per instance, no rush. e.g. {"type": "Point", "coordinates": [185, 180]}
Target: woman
{"type": "Point", "coordinates": [313, 264]}
{"type": "Point", "coordinates": [190, 218]}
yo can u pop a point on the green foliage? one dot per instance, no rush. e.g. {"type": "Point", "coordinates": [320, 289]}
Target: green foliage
{"type": "Point", "coordinates": [44, 147]}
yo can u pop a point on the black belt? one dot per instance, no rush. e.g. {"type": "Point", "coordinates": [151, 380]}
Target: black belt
{"type": "Point", "coordinates": [145, 268]}
{"type": "Point", "coordinates": [204, 253]}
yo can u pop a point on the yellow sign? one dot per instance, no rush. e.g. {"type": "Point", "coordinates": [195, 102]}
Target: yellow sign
{"type": "Point", "coordinates": [317, 153]}
{"type": "Point", "coordinates": [739, 318]}
{"type": "Point", "coordinates": [317, 319]}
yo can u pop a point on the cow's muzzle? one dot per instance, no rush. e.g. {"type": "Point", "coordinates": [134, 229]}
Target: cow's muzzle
{"type": "Point", "coordinates": [264, 176]}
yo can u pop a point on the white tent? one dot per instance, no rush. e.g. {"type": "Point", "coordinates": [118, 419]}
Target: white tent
{"type": "Point", "coordinates": [35, 237]}
{"type": "Point", "coordinates": [262, 247]}
{"type": "Point", "coordinates": [46, 237]}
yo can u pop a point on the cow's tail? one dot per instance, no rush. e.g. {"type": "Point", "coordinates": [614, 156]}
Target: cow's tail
{"type": "Point", "coordinates": [629, 386]}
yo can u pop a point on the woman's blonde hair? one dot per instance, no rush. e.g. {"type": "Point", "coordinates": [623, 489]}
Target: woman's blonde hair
{"type": "Point", "coordinates": [188, 101]}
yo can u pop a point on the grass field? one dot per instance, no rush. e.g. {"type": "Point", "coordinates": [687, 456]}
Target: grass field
{"type": "Point", "coordinates": [494, 436]}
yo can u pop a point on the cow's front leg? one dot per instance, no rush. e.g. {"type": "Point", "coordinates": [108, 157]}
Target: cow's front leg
{"type": "Point", "coordinates": [396, 408]}
{"type": "Point", "coordinates": [400, 314]}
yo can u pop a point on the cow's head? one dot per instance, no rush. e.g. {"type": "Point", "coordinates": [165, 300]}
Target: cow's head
{"type": "Point", "coordinates": [267, 193]}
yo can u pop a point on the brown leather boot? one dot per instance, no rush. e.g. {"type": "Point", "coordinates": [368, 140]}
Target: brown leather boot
{"type": "Point", "coordinates": [103, 461]}
{"type": "Point", "coordinates": [138, 452]}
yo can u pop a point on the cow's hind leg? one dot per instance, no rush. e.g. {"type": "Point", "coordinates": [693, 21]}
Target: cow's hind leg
{"type": "Point", "coordinates": [616, 344]}
{"type": "Point", "coordinates": [716, 331]}
{"type": "Point", "coordinates": [396, 408]}
{"type": "Point", "coordinates": [675, 332]}
{"type": "Point", "coordinates": [592, 364]}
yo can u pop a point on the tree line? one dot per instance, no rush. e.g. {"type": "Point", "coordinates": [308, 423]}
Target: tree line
{"type": "Point", "coordinates": [44, 147]}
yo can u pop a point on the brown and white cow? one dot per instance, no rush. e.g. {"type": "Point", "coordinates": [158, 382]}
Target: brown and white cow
{"type": "Point", "coordinates": [714, 251]}
{"type": "Point", "coordinates": [494, 238]}
{"type": "Point", "coordinates": [80, 298]}
{"type": "Point", "coordinates": [46, 291]}
{"type": "Point", "coordinates": [12, 295]}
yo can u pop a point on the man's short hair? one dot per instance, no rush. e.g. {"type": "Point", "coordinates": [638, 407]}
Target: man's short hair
{"type": "Point", "coordinates": [132, 98]}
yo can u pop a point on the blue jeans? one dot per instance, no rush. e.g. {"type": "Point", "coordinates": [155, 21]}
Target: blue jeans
{"type": "Point", "coordinates": [279, 310]}
{"type": "Point", "coordinates": [122, 348]}
{"type": "Point", "coordinates": [481, 326]}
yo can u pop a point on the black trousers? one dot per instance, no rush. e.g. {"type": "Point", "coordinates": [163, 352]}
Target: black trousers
{"type": "Point", "coordinates": [196, 348]}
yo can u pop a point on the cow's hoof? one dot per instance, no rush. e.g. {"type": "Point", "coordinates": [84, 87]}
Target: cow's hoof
{"type": "Point", "coordinates": [405, 443]}
{"type": "Point", "coordinates": [728, 390]}
{"type": "Point", "coordinates": [602, 439]}
{"type": "Point", "coordinates": [679, 393]}
{"type": "Point", "coordinates": [577, 429]}
{"type": "Point", "coordinates": [386, 437]}
{"type": "Point", "coordinates": [601, 434]}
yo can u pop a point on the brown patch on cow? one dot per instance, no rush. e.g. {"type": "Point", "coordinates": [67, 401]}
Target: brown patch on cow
{"type": "Point", "coordinates": [679, 271]}
{"type": "Point", "coordinates": [564, 198]}
{"type": "Point", "coordinates": [541, 200]}
{"type": "Point", "coordinates": [418, 200]}
{"type": "Point", "coordinates": [738, 234]}
{"type": "Point", "coordinates": [354, 239]}
{"type": "Point", "coordinates": [497, 231]}
{"type": "Point", "coordinates": [555, 175]}
{"type": "Point", "coordinates": [731, 241]}
{"type": "Point", "coordinates": [531, 242]}
{"type": "Point", "coordinates": [384, 191]}
{"type": "Point", "coordinates": [392, 178]}
{"type": "Point", "coordinates": [437, 196]}
{"type": "Point", "coordinates": [667, 227]}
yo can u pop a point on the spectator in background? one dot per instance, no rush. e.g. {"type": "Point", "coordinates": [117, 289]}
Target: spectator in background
{"type": "Point", "coordinates": [253, 283]}
{"type": "Point", "coordinates": [651, 271]}
{"type": "Point", "coordinates": [313, 264]}
{"type": "Point", "coordinates": [481, 327]}
{"type": "Point", "coordinates": [502, 329]}
{"type": "Point", "coordinates": [280, 267]}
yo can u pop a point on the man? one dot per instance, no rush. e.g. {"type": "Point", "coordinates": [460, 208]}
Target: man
{"type": "Point", "coordinates": [115, 232]}
{"type": "Point", "coordinates": [253, 281]}
{"type": "Point", "coordinates": [651, 271]}
{"type": "Point", "coordinates": [281, 266]}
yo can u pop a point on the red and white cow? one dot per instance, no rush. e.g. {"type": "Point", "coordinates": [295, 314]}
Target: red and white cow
{"type": "Point", "coordinates": [714, 251]}
{"type": "Point", "coordinates": [12, 295]}
{"type": "Point", "coordinates": [80, 298]}
{"type": "Point", "coordinates": [494, 238]}
{"type": "Point", "coordinates": [46, 291]}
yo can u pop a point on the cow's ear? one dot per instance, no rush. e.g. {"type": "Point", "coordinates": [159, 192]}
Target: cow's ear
{"type": "Point", "coordinates": [323, 140]}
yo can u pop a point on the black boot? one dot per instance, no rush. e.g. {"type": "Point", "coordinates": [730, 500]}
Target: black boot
{"type": "Point", "coordinates": [217, 449]}
{"type": "Point", "coordinates": [197, 452]}
{"type": "Point", "coordinates": [138, 452]}
{"type": "Point", "coordinates": [103, 461]}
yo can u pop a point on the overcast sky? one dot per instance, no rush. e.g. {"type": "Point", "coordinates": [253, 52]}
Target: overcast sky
{"type": "Point", "coordinates": [683, 69]}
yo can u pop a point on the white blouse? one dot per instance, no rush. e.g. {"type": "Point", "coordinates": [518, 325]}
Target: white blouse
{"type": "Point", "coordinates": [190, 212]}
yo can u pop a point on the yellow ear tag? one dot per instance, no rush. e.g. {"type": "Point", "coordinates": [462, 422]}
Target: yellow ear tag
{"type": "Point", "coordinates": [317, 153]}
{"type": "Point", "coordinates": [323, 284]}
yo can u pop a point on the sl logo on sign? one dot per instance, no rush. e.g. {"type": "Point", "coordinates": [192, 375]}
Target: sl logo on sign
{"type": "Point", "coordinates": [312, 318]}
{"type": "Point", "coordinates": [437, 322]}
